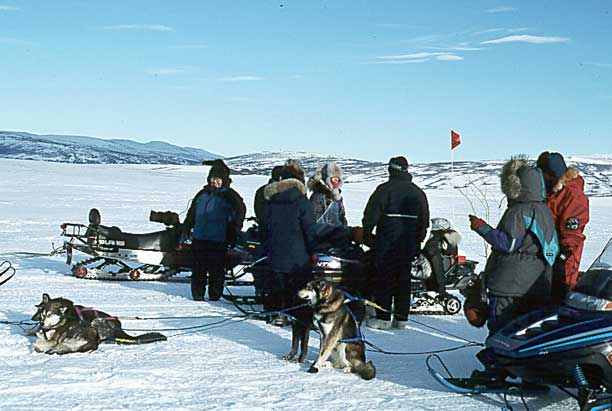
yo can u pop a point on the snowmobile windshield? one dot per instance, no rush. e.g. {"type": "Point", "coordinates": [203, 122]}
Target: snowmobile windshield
{"type": "Point", "coordinates": [604, 261]}
{"type": "Point", "coordinates": [594, 290]}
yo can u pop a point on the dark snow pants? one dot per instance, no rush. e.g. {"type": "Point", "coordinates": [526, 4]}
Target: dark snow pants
{"type": "Point", "coordinates": [284, 288]}
{"type": "Point", "coordinates": [209, 259]}
{"type": "Point", "coordinates": [391, 284]}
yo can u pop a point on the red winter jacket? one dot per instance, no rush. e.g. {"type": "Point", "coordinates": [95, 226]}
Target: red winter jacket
{"type": "Point", "coordinates": [570, 209]}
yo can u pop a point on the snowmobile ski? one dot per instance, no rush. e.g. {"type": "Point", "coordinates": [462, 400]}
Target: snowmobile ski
{"type": "Point", "coordinates": [481, 385]}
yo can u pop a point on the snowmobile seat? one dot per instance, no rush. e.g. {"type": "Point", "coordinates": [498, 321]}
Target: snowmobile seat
{"type": "Point", "coordinates": [165, 240]}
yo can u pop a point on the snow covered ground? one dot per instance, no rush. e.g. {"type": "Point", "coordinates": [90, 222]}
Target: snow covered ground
{"type": "Point", "coordinates": [233, 367]}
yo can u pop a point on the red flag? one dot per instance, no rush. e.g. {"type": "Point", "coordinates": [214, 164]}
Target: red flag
{"type": "Point", "coordinates": [455, 139]}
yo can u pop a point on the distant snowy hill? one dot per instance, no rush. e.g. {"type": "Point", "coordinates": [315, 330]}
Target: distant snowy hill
{"type": "Point", "coordinates": [89, 150]}
{"type": "Point", "coordinates": [480, 175]}
{"type": "Point", "coordinates": [470, 175]}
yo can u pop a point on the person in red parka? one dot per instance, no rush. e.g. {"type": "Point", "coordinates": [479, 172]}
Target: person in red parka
{"type": "Point", "coordinates": [570, 208]}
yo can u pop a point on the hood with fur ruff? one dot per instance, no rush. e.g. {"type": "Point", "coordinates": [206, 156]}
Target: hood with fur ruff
{"type": "Point", "coordinates": [284, 185]}
{"type": "Point", "coordinates": [521, 182]}
{"type": "Point", "coordinates": [321, 180]}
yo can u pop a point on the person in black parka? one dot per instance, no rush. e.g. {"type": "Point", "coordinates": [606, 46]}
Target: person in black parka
{"type": "Point", "coordinates": [216, 216]}
{"type": "Point", "coordinates": [399, 211]}
{"type": "Point", "coordinates": [289, 237]}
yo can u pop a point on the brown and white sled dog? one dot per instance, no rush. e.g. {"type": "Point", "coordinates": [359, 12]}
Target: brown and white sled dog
{"type": "Point", "coordinates": [68, 328]}
{"type": "Point", "coordinates": [335, 324]}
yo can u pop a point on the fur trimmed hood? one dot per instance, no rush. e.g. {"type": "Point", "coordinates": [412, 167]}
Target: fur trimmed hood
{"type": "Point", "coordinates": [284, 185]}
{"type": "Point", "coordinates": [321, 180]}
{"type": "Point", "coordinates": [521, 182]}
{"type": "Point", "coordinates": [568, 176]}
{"type": "Point", "coordinates": [452, 237]}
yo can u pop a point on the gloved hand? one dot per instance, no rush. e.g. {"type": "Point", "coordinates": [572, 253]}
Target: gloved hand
{"type": "Point", "coordinates": [565, 252]}
{"type": "Point", "coordinates": [369, 239]}
{"type": "Point", "coordinates": [476, 222]}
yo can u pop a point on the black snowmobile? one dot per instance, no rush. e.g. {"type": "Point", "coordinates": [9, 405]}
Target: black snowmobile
{"type": "Point", "coordinates": [569, 346]}
{"type": "Point", "coordinates": [460, 273]}
{"type": "Point", "coordinates": [117, 255]}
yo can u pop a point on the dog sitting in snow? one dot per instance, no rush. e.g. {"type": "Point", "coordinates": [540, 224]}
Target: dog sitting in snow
{"type": "Point", "coordinates": [336, 324]}
{"type": "Point", "coordinates": [68, 328]}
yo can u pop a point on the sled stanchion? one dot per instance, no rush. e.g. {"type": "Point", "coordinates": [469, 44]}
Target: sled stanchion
{"type": "Point", "coordinates": [6, 268]}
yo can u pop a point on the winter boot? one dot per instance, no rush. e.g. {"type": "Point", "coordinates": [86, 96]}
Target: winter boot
{"type": "Point", "coordinates": [378, 324]}
{"type": "Point", "coordinates": [400, 324]}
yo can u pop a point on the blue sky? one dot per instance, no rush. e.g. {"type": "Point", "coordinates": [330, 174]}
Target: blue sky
{"type": "Point", "coordinates": [366, 79]}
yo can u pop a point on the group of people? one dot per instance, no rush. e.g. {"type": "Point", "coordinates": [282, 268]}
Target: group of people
{"type": "Point", "coordinates": [536, 246]}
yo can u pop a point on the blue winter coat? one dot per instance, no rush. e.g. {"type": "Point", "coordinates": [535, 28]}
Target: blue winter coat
{"type": "Point", "coordinates": [289, 232]}
{"type": "Point", "coordinates": [215, 214]}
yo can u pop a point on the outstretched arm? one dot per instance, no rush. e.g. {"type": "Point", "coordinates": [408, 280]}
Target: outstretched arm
{"type": "Point", "coordinates": [498, 239]}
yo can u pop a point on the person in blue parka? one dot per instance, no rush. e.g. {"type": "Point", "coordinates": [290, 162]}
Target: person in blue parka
{"type": "Point", "coordinates": [216, 216]}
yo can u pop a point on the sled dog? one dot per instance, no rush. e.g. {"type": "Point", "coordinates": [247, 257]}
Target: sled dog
{"type": "Point", "coordinates": [336, 324]}
{"type": "Point", "coordinates": [67, 328]}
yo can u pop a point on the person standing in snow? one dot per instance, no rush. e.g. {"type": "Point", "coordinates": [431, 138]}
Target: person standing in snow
{"type": "Point", "coordinates": [524, 246]}
{"type": "Point", "coordinates": [216, 216]}
{"type": "Point", "coordinates": [289, 237]}
{"type": "Point", "coordinates": [399, 211]}
{"type": "Point", "coordinates": [570, 208]}
{"type": "Point", "coordinates": [326, 198]}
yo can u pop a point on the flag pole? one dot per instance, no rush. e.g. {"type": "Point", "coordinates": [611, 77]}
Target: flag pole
{"type": "Point", "coordinates": [452, 182]}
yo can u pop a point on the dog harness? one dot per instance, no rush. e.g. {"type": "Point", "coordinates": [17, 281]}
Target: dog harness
{"type": "Point", "coordinates": [80, 309]}
{"type": "Point", "coordinates": [359, 336]}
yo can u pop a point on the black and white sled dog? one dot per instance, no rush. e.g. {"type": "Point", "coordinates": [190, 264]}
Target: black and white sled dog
{"type": "Point", "coordinates": [339, 330]}
{"type": "Point", "coordinates": [65, 328]}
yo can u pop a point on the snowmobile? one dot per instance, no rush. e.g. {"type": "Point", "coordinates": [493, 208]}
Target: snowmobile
{"type": "Point", "coordinates": [117, 255]}
{"type": "Point", "coordinates": [569, 346]}
{"type": "Point", "coordinates": [460, 274]}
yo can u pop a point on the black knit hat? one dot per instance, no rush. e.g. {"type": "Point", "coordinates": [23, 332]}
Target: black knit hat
{"type": "Point", "coordinates": [398, 165]}
{"type": "Point", "coordinates": [277, 173]}
{"type": "Point", "coordinates": [218, 169]}
{"type": "Point", "coordinates": [553, 163]}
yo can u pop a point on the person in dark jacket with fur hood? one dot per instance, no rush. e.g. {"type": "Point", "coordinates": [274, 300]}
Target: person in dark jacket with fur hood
{"type": "Point", "coordinates": [524, 246]}
{"type": "Point", "coordinates": [570, 208]}
{"type": "Point", "coordinates": [399, 211]}
{"type": "Point", "coordinates": [326, 198]}
{"type": "Point", "coordinates": [440, 250]}
{"type": "Point", "coordinates": [289, 235]}
{"type": "Point", "coordinates": [216, 216]}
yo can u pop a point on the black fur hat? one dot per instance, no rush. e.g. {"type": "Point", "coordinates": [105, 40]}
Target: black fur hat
{"type": "Point", "coordinates": [218, 169]}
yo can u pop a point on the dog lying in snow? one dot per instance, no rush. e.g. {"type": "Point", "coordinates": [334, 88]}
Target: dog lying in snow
{"type": "Point", "coordinates": [335, 324]}
{"type": "Point", "coordinates": [68, 328]}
